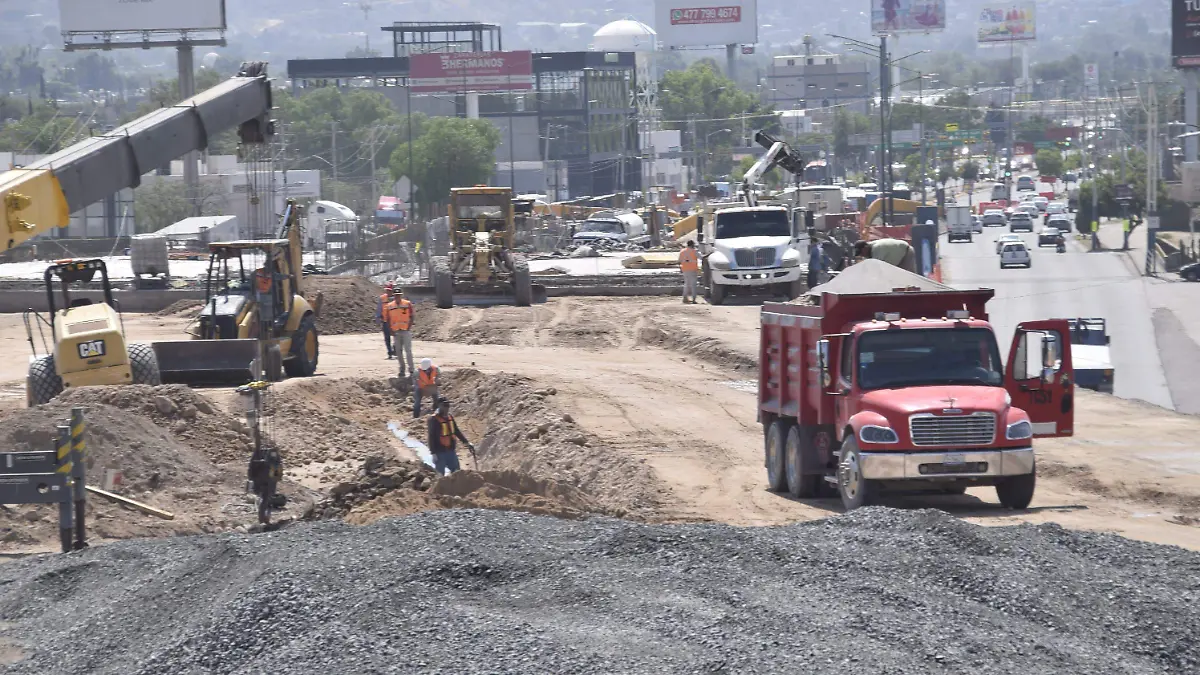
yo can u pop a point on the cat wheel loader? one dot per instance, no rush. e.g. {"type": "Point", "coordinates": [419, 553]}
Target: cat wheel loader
{"type": "Point", "coordinates": [253, 311]}
{"type": "Point", "coordinates": [482, 256]}
{"type": "Point", "coordinates": [88, 338]}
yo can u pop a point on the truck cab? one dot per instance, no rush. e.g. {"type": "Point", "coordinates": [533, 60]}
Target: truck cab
{"type": "Point", "coordinates": [751, 249]}
{"type": "Point", "coordinates": [907, 391]}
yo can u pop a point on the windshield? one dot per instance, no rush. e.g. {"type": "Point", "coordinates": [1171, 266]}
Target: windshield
{"type": "Point", "coordinates": [489, 206]}
{"type": "Point", "coordinates": [732, 224]}
{"type": "Point", "coordinates": [605, 226]}
{"type": "Point", "coordinates": [890, 359]}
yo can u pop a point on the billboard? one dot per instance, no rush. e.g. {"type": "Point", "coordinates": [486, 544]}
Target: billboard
{"type": "Point", "coordinates": [1185, 33]}
{"type": "Point", "coordinates": [447, 73]}
{"type": "Point", "coordinates": [692, 23]}
{"type": "Point", "coordinates": [907, 16]}
{"type": "Point", "coordinates": [102, 16]}
{"type": "Point", "coordinates": [1007, 23]}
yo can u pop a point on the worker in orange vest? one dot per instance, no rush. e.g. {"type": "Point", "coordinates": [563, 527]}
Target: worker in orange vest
{"type": "Point", "coordinates": [427, 381]}
{"type": "Point", "coordinates": [384, 299]}
{"type": "Point", "coordinates": [689, 264]}
{"type": "Point", "coordinates": [399, 313]}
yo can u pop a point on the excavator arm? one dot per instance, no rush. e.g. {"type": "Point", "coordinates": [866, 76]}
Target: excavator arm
{"type": "Point", "coordinates": [44, 194]}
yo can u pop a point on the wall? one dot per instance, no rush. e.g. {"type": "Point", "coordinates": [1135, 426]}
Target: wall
{"type": "Point", "coordinates": [13, 302]}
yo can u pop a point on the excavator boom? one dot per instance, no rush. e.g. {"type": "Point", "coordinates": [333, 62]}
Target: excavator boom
{"type": "Point", "coordinates": [44, 194]}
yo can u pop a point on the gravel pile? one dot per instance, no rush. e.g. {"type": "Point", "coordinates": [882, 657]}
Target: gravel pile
{"type": "Point", "coordinates": [876, 591]}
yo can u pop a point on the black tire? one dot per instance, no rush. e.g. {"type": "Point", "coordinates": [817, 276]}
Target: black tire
{"type": "Point", "coordinates": [143, 362]}
{"type": "Point", "coordinates": [521, 280]}
{"type": "Point", "coordinates": [956, 490]}
{"type": "Point", "coordinates": [854, 490]}
{"type": "Point", "coordinates": [1015, 492]}
{"type": "Point", "coordinates": [43, 382]}
{"type": "Point", "coordinates": [716, 294]}
{"type": "Point", "coordinates": [273, 368]}
{"type": "Point", "coordinates": [774, 439]}
{"type": "Point", "coordinates": [305, 351]}
{"type": "Point", "coordinates": [802, 483]}
{"type": "Point", "coordinates": [443, 283]}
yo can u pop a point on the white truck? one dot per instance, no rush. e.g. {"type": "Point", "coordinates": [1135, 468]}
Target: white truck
{"type": "Point", "coordinates": [751, 249]}
{"type": "Point", "coordinates": [958, 223]}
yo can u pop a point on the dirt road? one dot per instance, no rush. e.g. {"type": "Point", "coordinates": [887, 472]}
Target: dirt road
{"type": "Point", "coordinates": [672, 386]}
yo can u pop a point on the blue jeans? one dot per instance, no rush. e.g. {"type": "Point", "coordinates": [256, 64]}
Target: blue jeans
{"type": "Point", "coordinates": [445, 460]}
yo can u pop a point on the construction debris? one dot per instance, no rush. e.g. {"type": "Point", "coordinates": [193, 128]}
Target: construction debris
{"type": "Point", "coordinates": [875, 276]}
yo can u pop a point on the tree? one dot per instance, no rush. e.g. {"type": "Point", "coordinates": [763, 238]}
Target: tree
{"type": "Point", "coordinates": [1049, 162]}
{"type": "Point", "coordinates": [366, 124]}
{"type": "Point", "coordinates": [969, 171]}
{"type": "Point", "coordinates": [163, 201]}
{"type": "Point", "coordinates": [702, 93]}
{"type": "Point", "coordinates": [450, 152]}
{"type": "Point", "coordinates": [45, 131]}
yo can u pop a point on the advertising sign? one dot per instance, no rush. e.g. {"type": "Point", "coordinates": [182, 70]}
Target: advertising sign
{"type": "Point", "coordinates": [1091, 74]}
{"type": "Point", "coordinates": [907, 16]}
{"type": "Point", "coordinates": [1007, 23]}
{"type": "Point", "coordinates": [447, 73]}
{"type": "Point", "coordinates": [1185, 33]}
{"type": "Point", "coordinates": [692, 23]}
{"type": "Point", "coordinates": [103, 16]}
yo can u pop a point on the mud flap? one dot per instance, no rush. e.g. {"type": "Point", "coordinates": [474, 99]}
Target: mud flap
{"type": "Point", "coordinates": [224, 362]}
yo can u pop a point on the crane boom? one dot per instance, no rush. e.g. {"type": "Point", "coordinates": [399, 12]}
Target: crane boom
{"type": "Point", "coordinates": [778, 154]}
{"type": "Point", "coordinates": [44, 194]}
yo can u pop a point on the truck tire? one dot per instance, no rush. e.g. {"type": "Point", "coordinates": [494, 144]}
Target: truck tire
{"type": "Point", "coordinates": [443, 283]}
{"type": "Point", "coordinates": [802, 483]}
{"type": "Point", "coordinates": [305, 351]}
{"type": "Point", "coordinates": [522, 281]}
{"type": "Point", "coordinates": [1015, 492]}
{"type": "Point", "coordinates": [774, 441]}
{"type": "Point", "coordinates": [143, 363]}
{"type": "Point", "coordinates": [855, 490]}
{"type": "Point", "coordinates": [716, 293]}
{"type": "Point", "coordinates": [273, 368]}
{"type": "Point", "coordinates": [43, 382]}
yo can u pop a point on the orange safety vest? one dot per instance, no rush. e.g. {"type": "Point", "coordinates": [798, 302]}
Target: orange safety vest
{"type": "Point", "coordinates": [689, 260]}
{"type": "Point", "coordinates": [427, 378]}
{"type": "Point", "coordinates": [262, 280]}
{"type": "Point", "coordinates": [446, 428]}
{"type": "Point", "coordinates": [399, 314]}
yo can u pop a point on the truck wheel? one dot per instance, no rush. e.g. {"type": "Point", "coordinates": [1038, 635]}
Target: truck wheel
{"type": "Point", "coordinates": [443, 283]}
{"type": "Point", "coordinates": [522, 281]}
{"type": "Point", "coordinates": [1015, 492]}
{"type": "Point", "coordinates": [774, 440]}
{"type": "Point", "coordinates": [143, 362]}
{"type": "Point", "coordinates": [305, 350]}
{"type": "Point", "coordinates": [43, 382]}
{"type": "Point", "coordinates": [801, 483]}
{"type": "Point", "coordinates": [855, 490]}
{"type": "Point", "coordinates": [273, 368]}
{"type": "Point", "coordinates": [716, 293]}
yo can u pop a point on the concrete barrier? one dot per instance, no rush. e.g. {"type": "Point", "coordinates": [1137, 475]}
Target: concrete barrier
{"type": "Point", "coordinates": [15, 302]}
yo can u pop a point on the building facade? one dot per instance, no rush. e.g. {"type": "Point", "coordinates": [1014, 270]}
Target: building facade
{"type": "Point", "coordinates": [819, 82]}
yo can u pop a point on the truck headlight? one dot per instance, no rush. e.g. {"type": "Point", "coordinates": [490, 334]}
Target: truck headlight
{"type": "Point", "coordinates": [718, 261]}
{"type": "Point", "coordinates": [790, 259]}
{"type": "Point", "coordinates": [877, 434]}
{"type": "Point", "coordinates": [1019, 431]}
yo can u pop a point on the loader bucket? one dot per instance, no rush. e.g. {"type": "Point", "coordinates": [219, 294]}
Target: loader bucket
{"type": "Point", "coordinates": [216, 362]}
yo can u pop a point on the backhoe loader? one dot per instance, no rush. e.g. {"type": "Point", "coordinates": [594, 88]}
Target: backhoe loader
{"type": "Point", "coordinates": [482, 233]}
{"type": "Point", "coordinates": [253, 310]}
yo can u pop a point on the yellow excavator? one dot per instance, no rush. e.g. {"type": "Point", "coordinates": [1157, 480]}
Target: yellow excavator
{"type": "Point", "coordinates": [89, 344]}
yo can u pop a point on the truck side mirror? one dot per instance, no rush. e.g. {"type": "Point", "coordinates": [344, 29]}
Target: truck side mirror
{"type": "Point", "coordinates": [823, 363]}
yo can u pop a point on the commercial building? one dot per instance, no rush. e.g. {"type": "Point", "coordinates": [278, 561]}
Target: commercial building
{"type": "Point", "coordinates": [575, 117]}
{"type": "Point", "coordinates": [820, 82]}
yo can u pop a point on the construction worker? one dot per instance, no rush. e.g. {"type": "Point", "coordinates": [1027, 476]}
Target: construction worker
{"type": "Point", "coordinates": [891, 251]}
{"type": "Point", "coordinates": [384, 299]}
{"type": "Point", "coordinates": [444, 435]}
{"type": "Point", "coordinates": [818, 260]}
{"type": "Point", "coordinates": [399, 313]}
{"type": "Point", "coordinates": [427, 381]}
{"type": "Point", "coordinates": [689, 264]}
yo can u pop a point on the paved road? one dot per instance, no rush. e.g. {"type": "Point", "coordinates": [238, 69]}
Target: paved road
{"type": "Point", "coordinates": [1072, 284]}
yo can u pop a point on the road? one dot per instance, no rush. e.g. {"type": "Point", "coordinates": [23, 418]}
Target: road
{"type": "Point", "coordinates": [1072, 284]}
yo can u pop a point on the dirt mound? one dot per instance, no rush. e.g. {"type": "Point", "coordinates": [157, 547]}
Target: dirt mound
{"type": "Point", "coordinates": [379, 475]}
{"type": "Point", "coordinates": [707, 348]}
{"type": "Point", "coordinates": [473, 325]}
{"type": "Point", "coordinates": [181, 308]}
{"type": "Point", "coordinates": [348, 303]}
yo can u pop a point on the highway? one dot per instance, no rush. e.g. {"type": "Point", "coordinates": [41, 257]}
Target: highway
{"type": "Point", "coordinates": [1066, 285]}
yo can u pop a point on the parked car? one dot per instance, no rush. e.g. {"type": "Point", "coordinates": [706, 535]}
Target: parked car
{"type": "Point", "coordinates": [994, 218]}
{"type": "Point", "coordinates": [1007, 239]}
{"type": "Point", "coordinates": [1025, 183]}
{"type": "Point", "coordinates": [1020, 221]}
{"type": "Point", "coordinates": [1015, 253]}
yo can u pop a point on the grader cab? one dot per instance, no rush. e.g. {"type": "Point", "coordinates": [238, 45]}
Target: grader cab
{"type": "Point", "coordinates": [482, 256]}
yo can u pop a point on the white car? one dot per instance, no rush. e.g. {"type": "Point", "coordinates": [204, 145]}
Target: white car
{"type": "Point", "coordinates": [1007, 239]}
{"type": "Point", "coordinates": [976, 225]}
{"type": "Point", "coordinates": [1015, 253]}
{"type": "Point", "coordinates": [1054, 208]}
{"type": "Point", "coordinates": [1041, 203]}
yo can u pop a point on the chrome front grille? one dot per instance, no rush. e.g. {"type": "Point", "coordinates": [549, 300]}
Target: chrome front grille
{"type": "Point", "coordinates": [754, 257]}
{"type": "Point", "coordinates": [952, 430]}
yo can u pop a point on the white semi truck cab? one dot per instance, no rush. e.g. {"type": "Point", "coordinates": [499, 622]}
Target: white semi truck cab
{"type": "Point", "coordinates": [754, 249]}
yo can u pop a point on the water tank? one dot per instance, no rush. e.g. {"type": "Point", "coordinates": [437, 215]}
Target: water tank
{"type": "Point", "coordinates": [148, 256]}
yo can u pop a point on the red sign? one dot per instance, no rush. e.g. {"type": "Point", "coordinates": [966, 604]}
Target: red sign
{"type": "Point", "coordinates": [1023, 148]}
{"type": "Point", "coordinates": [471, 71]}
{"type": "Point", "coordinates": [702, 15]}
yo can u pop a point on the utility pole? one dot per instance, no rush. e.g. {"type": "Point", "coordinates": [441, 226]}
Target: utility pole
{"type": "Point", "coordinates": [885, 161]}
{"type": "Point", "coordinates": [1152, 170]}
{"type": "Point", "coordinates": [334, 164]}
{"type": "Point", "coordinates": [921, 112]}
{"type": "Point", "coordinates": [1094, 145]}
{"type": "Point", "coordinates": [374, 204]}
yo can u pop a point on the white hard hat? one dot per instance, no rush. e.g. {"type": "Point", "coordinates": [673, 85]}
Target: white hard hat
{"type": "Point", "coordinates": [929, 222]}
{"type": "Point", "coordinates": [426, 364]}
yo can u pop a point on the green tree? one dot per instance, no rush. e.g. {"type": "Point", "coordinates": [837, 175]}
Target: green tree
{"type": "Point", "coordinates": [845, 125]}
{"type": "Point", "coordinates": [366, 124]}
{"type": "Point", "coordinates": [702, 93]}
{"type": "Point", "coordinates": [45, 131]}
{"type": "Point", "coordinates": [1049, 162]}
{"type": "Point", "coordinates": [969, 171]}
{"type": "Point", "coordinates": [450, 152]}
{"type": "Point", "coordinates": [160, 203]}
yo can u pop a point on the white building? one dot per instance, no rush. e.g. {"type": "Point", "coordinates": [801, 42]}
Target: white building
{"type": "Point", "coordinates": [818, 82]}
{"type": "Point", "coordinates": [795, 122]}
{"type": "Point", "coordinates": [625, 35]}
{"type": "Point", "coordinates": [664, 165]}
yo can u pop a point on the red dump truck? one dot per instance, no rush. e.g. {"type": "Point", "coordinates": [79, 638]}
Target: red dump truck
{"type": "Point", "coordinates": [906, 391]}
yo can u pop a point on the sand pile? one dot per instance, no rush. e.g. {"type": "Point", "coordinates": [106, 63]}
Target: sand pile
{"type": "Point", "coordinates": [336, 419]}
{"type": "Point", "coordinates": [348, 303]}
{"type": "Point", "coordinates": [187, 308]}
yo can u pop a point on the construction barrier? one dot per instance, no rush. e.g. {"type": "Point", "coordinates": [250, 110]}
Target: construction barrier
{"type": "Point", "coordinates": [53, 476]}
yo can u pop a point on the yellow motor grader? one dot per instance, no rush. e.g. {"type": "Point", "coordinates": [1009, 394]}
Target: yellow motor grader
{"type": "Point", "coordinates": [482, 256]}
